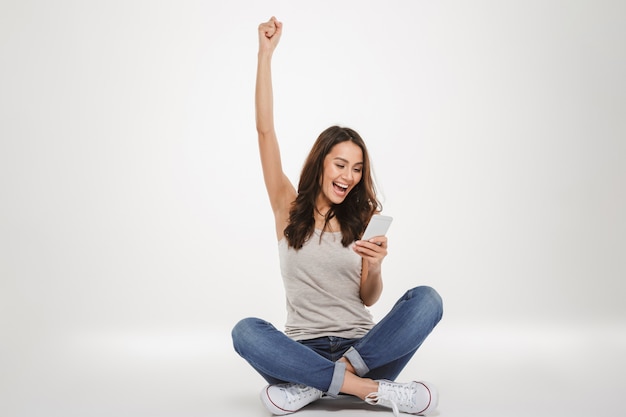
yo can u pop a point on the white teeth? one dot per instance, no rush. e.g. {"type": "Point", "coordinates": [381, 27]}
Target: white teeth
{"type": "Point", "coordinates": [342, 186]}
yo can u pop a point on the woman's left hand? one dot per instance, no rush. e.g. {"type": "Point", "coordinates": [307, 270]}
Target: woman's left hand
{"type": "Point", "coordinates": [373, 250]}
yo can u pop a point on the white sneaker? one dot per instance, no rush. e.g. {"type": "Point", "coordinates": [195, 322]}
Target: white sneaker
{"type": "Point", "coordinates": [412, 398]}
{"type": "Point", "coordinates": [284, 399]}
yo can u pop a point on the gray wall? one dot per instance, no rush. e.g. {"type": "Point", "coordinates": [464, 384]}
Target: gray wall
{"type": "Point", "coordinates": [130, 188]}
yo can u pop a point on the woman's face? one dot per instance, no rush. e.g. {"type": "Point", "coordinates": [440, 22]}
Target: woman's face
{"type": "Point", "coordinates": [343, 169]}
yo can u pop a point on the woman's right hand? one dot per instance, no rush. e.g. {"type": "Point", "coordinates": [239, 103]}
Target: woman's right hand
{"type": "Point", "coordinates": [269, 35]}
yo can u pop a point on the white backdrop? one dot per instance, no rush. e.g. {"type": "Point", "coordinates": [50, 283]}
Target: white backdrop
{"type": "Point", "coordinates": [131, 197]}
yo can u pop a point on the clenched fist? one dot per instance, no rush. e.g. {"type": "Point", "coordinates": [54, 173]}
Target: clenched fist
{"type": "Point", "coordinates": [269, 35]}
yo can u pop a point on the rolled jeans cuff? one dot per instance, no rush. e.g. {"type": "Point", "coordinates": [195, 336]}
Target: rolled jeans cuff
{"type": "Point", "coordinates": [356, 361]}
{"type": "Point", "coordinates": [338, 375]}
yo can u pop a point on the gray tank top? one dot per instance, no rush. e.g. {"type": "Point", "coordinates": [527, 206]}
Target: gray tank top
{"type": "Point", "coordinates": [322, 282]}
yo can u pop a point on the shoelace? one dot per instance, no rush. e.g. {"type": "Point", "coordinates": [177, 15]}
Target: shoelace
{"type": "Point", "coordinates": [296, 391]}
{"type": "Point", "coordinates": [402, 395]}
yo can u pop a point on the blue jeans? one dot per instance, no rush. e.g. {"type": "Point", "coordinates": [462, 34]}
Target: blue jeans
{"type": "Point", "coordinates": [381, 354]}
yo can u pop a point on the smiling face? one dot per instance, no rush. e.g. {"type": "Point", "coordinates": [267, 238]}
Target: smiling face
{"type": "Point", "coordinates": [343, 169]}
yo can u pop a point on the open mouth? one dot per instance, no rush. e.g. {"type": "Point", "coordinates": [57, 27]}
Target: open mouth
{"type": "Point", "coordinates": [341, 189]}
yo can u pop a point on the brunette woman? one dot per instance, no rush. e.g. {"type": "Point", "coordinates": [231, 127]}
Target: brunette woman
{"type": "Point", "coordinates": [330, 344]}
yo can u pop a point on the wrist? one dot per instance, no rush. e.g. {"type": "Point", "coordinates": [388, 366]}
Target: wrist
{"type": "Point", "coordinates": [374, 268]}
{"type": "Point", "coordinates": [265, 54]}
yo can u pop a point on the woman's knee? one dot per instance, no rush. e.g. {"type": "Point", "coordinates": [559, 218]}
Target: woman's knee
{"type": "Point", "coordinates": [429, 298]}
{"type": "Point", "coordinates": [244, 330]}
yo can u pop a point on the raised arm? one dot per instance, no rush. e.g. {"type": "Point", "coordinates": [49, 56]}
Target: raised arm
{"type": "Point", "coordinates": [280, 190]}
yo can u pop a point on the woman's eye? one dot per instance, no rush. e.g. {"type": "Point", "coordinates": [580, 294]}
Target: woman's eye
{"type": "Point", "coordinates": [340, 166]}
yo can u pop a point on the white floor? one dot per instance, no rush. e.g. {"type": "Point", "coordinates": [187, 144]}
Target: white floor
{"type": "Point", "coordinates": [496, 370]}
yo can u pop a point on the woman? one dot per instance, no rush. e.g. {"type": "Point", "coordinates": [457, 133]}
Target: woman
{"type": "Point", "coordinates": [330, 344]}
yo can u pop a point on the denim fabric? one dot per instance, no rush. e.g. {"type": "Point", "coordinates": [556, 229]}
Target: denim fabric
{"type": "Point", "coordinates": [381, 354]}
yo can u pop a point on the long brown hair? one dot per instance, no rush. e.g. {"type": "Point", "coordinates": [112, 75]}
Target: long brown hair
{"type": "Point", "coordinates": [353, 213]}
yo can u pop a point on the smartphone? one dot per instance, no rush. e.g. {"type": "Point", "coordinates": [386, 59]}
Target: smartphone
{"type": "Point", "coordinates": [377, 226]}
